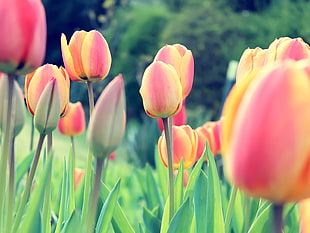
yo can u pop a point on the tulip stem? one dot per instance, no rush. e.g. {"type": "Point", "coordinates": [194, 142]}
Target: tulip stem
{"type": "Point", "coordinates": [277, 217]}
{"type": "Point", "coordinates": [95, 196]}
{"type": "Point", "coordinates": [168, 136]}
{"type": "Point", "coordinates": [73, 151]}
{"type": "Point", "coordinates": [29, 181]}
{"type": "Point", "coordinates": [6, 144]}
{"type": "Point", "coordinates": [230, 208]}
{"type": "Point", "coordinates": [90, 97]}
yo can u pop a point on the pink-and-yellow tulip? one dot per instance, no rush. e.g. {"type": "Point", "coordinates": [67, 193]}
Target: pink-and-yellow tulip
{"type": "Point", "coordinates": [87, 57]}
{"type": "Point", "coordinates": [36, 82]}
{"type": "Point", "coordinates": [250, 60]}
{"type": "Point", "coordinates": [287, 48]}
{"type": "Point", "coordinates": [304, 222]}
{"type": "Point", "coordinates": [161, 90]}
{"type": "Point", "coordinates": [185, 143]}
{"type": "Point", "coordinates": [73, 123]}
{"type": "Point", "coordinates": [23, 36]}
{"type": "Point", "coordinates": [108, 120]}
{"type": "Point", "coordinates": [266, 131]}
{"type": "Point", "coordinates": [178, 119]}
{"type": "Point", "coordinates": [182, 60]}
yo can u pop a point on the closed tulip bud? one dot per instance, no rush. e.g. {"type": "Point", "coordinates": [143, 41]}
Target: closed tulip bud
{"type": "Point", "coordinates": [23, 36]}
{"type": "Point", "coordinates": [36, 82]}
{"type": "Point", "coordinates": [18, 102]}
{"type": "Point", "coordinates": [178, 119]}
{"type": "Point", "coordinates": [305, 216]}
{"type": "Point", "coordinates": [47, 111]}
{"type": "Point", "coordinates": [183, 62]}
{"type": "Point", "coordinates": [73, 123]}
{"type": "Point", "coordinates": [266, 131]}
{"type": "Point", "coordinates": [87, 57]}
{"type": "Point", "coordinates": [161, 90]}
{"type": "Point", "coordinates": [185, 143]}
{"type": "Point", "coordinates": [287, 48]}
{"type": "Point", "coordinates": [108, 120]}
{"type": "Point", "coordinates": [250, 60]}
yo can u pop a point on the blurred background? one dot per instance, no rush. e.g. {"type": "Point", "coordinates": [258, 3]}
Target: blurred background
{"type": "Point", "coordinates": [216, 31]}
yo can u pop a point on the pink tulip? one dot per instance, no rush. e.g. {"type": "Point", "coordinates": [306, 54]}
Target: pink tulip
{"type": "Point", "coordinates": [78, 175]}
{"type": "Point", "coordinates": [266, 129]}
{"type": "Point", "coordinates": [185, 143]}
{"type": "Point", "coordinates": [23, 35]}
{"type": "Point", "coordinates": [251, 59]}
{"type": "Point", "coordinates": [161, 90]}
{"type": "Point", "coordinates": [108, 120]}
{"type": "Point", "coordinates": [87, 57]}
{"type": "Point", "coordinates": [183, 62]}
{"type": "Point", "coordinates": [36, 82]}
{"type": "Point", "coordinates": [73, 123]}
{"type": "Point", "coordinates": [178, 119]}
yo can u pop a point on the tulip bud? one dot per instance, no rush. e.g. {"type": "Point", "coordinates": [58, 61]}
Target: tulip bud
{"type": "Point", "coordinates": [107, 124]}
{"type": "Point", "coordinates": [250, 60]}
{"type": "Point", "coordinates": [18, 103]}
{"type": "Point", "coordinates": [87, 57]}
{"type": "Point", "coordinates": [23, 36]}
{"type": "Point", "coordinates": [182, 61]}
{"type": "Point", "coordinates": [185, 143]}
{"type": "Point", "coordinates": [287, 48]}
{"type": "Point", "coordinates": [73, 123]}
{"type": "Point", "coordinates": [36, 82]}
{"type": "Point", "coordinates": [267, 132]}
{"type": "Point", "coordinates": [48, 108]}
{"type": "Point", "coordinates": [161, 90]}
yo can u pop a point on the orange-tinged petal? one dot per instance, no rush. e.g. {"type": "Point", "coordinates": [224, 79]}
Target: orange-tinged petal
{"type": "Point", "coordinates": [96, 56]}
{"type": "Point", "coordinates": [305, 216]}
{"type": "Point", "coordinates": [161, 90]}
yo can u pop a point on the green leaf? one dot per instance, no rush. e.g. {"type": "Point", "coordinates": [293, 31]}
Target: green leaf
{"type": "Point", "coordinates": [182, 220]}
{"type": "Point", "coordinates": [238, 217]}
{"type": "Point", "coordinates": [192, 180]}
{"type": "Point", "coordinates": [179, 188]}
{"type": "Point", "coordinates": [23, 168]}
{"type": "Point", "coordinates": [151, 221]}
{"type": "Point", "coordinates": [31, 221]}
{"type": "Point", "coordinates": [162, 173]}
{"type": "Point", "coordinates": [73, 224]}
{"type": "Point", "coordinates": [165, 218]}
{"type": "Point", "coordinates": [119, 220]}
{"type": "Point", "coordinates": [107, 210]}
{"type": "Point", "coordinates": [263, 222]}
{"type": "Point", "coordinates": [200, 203]}
{"type": "Point", "coordinates": [214, 200]}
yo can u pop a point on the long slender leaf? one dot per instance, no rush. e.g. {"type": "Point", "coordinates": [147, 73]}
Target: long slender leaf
{"type": "Point", "coordinates": [107, 210]}
{"type": "Point", "coordinates": [179, 188]}
{"type": "Point", "coordinates": [165, 218]}
{"type": "Point", "coordinates": [23, 168]}
{"type": "Point", "coordinates": [263, 222]}
{"type": "Point", "coordinates": [151, 221]}
{"type": "Point", "coordinates": [162, 173]}
{"type": "Point", "coordinates": [200, 203]}
{"type": "Point", "coordinates": [192, 180]}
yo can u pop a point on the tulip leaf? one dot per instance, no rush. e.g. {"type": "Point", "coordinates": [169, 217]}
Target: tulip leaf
{"type": "Point", "coordinates": [263, 222]}
{"type": "Point", "coordinates": [151, 221]}
{"type": "Point", "coordinates": [107, 210]}
{"type": "Point", "coordinates": [31, 221]}
{"type": "Point", "coordinates": [162, 173]}
{"type": "Point", "coordinates": [119, 220]}
{"type": "Point", "coordinates": [200, 203]}
{"type": "Point", "coordinates": [73, 224]}
{"type": "Point", "coordinates": [165, 218]}
{"type": "Point", "coordinates": [237, 220]}
{"type": "Point", "coordinates": [23, 168]}
{"type": "Point", "coordinates": [182, 220]}
{"type": "Point", "coordinates": [214, 200]}
{"type": "Point", "coordinates": [178, 188]}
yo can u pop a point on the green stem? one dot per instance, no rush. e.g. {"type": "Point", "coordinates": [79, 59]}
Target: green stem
{"type": "Point", "coordinates": [11, 192]}
{"type": "Point", "coordinates": [89, 157]}
{"type": "Point", "coordinates": [6, 145]}
{"type": "Point", "coordinates": [49, 143]}
{"type": "Point", "coordinates": [73, 151]}
{"type": "Point", "coordinates": [28, 184]}
{"type": "Point", "coordinates": [105, 168]}
{"type": "Point", "coordinates": [230, 208]}
{"type": "Point", "coordinates": [31, 135]}
{"type": "Point", "coordinates": [277, 217]}
{"type": "Point", "coordinates": [168, 137]}
{"type": "Point", "coordinates": [95, 197]}
{"type": "Point", "coordinates": [247, 214]}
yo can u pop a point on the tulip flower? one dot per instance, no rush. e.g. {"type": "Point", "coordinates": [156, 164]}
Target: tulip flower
{"type": "Point", "coordinates": [36, 82]}
{"type": "Point", "coordinates": [161, 90]}
{"type": "Point", "coordinates": [287, 48]}
{"type": "Point", "coordinates": [178, 119]}
{"type": "Point", "coordinates": [20, 114]}
{"type": "Point", "coordinates": [183, 62]}
{"type": "Point", "coordinates": [250, 60]}
{"type": "Point", "coordinates": [87, 57]}
{"type": "Point", "coordinates": [185, 143]}
{"type": "Point", "coordinates": [305, 216]}
{"type": "Point", "coordinates": [78, 175]}
{"type": "Point", "coordinates": [185, 176]}
{"type": "Point", "coordinates": [23, 36]}
{"type": "Point", "coordinates": [266, 130]}
{"type": "Point", "coordinates": [73, 123]}
{"type": "Point", "coordinates": [108, 120]}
